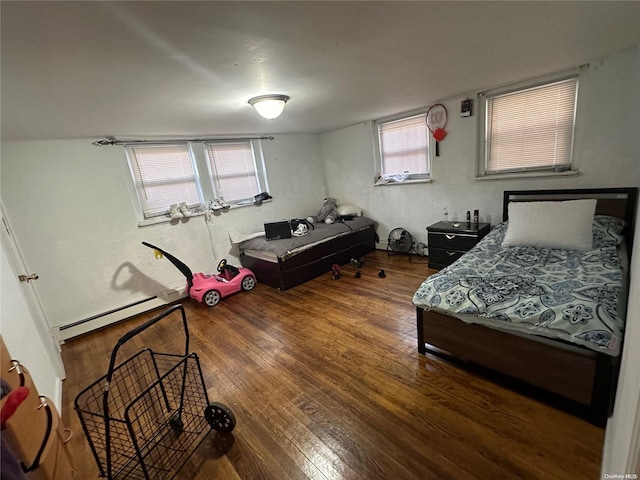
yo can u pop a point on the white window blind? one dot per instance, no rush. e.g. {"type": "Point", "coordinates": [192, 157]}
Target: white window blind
{"type": "Point", "coordinates": [233, 170]}
{"type": "Point", "coordinates": [163, 175]}
{"type": "Point", "coordinates": [404, 146]}
{"type": "Point", "coordinates": [531, 129]}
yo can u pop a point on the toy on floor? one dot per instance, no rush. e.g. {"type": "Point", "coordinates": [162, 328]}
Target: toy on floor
{"type": "Point", "coordinates": [335, 271]}
{"type": "Point", "coordinates": [357, 262]}
{"type": "Point", "coordinates": [209, 289]}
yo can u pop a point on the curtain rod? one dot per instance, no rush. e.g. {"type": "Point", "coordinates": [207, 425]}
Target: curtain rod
{"type": "Point", "coordinates": [114, 141]}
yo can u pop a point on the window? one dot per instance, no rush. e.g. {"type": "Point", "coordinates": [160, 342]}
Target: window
{"type": "Point", "coordinates": [403, 148]}
{"type": "Point", "coordinates": [194, 172]}
{"type": "Point", "coordinates": [163, 175]}
{"type": "Point", "coordinates": [234, 171]}
{"type": "Point", "coordinates": [529, 128]}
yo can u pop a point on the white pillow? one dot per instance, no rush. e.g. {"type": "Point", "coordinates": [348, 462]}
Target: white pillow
{"type": "Point", "coordinates": [566, 225]}
{"type": "Point", "coordinates": [349, 210]}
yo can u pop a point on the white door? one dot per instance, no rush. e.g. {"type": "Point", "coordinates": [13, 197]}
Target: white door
{"type": "Point", "coordinates": [24, 326]}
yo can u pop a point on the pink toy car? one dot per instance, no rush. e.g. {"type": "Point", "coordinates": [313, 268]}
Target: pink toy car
{"type": "Point", "coordinates": [209, 289]}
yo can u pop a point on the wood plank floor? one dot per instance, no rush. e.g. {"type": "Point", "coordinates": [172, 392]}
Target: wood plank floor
{"type": "Point", "coordinates": [326, 383]}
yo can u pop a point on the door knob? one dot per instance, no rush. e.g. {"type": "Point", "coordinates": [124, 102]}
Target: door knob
{"type": "Point", "coordinates": [28, 278]}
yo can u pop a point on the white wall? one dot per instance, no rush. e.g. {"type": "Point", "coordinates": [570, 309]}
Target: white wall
{"type": "Point", "coordinates": [75, 218]}
{"type": "Point", "coordinates": [606, 155]}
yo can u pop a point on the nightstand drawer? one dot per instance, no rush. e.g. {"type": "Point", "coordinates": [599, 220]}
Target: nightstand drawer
{"type": "Point", "coordinates": [439, 257]}
{"type": "Point", "coordinates": [447, 242]}
{"type": "Point", "coordinates": [452, 241]}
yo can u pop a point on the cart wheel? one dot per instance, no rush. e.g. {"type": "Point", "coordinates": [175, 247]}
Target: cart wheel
{"type": "Point", "coordinates": [220, 417]}
{"type": "Point", "coordinates": [211, 298]}
{"type": "Point", "coordinates": [222, 264]}
{"type": "Point", "coordinates": [248, 283]}
{"type": "Point", "coordinates": [176, 424]}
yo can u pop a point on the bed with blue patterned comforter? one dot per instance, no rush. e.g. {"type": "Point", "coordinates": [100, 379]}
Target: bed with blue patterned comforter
{"type": "Point", "coordinates": [564, 294]}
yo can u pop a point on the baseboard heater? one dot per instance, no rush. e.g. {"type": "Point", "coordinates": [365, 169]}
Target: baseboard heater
{"type": "Point", "coordinates": [95, 322]}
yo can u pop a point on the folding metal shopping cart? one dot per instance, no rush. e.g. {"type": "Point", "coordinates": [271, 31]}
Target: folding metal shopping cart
{"type": "Point", "coordinates": [148, 414]}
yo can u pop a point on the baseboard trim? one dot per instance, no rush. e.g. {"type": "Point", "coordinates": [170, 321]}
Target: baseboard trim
{"type": "Point", "coordinates": [95, 322]}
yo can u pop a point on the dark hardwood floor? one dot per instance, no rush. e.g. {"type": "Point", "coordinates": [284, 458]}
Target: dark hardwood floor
{"type": "Point", "coordinates": [326, 382]}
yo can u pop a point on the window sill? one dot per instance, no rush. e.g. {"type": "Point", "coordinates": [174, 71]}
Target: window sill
{"type": "Point", "coordinates": [168, 219]}
{"type": "Point", "coordinates": [507, 176]}
{"type": "Point", "coordinates": [420, 180]}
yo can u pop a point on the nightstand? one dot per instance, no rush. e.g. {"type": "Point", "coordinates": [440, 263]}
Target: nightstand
{"type": "Point", "coordinates": [448, 243]}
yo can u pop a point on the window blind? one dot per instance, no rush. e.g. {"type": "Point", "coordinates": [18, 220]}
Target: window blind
{"type": "Point", "coordinates": [163, 175]}
{"type": "Point", "coordinates": [404, 146]}
{"type": "Point", "coordinates": [532, 128]}
{"type": "Point", "coordinates": [234, 170]}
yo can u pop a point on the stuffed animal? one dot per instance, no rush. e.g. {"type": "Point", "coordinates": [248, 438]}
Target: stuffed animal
{"type": "Point", "coordinates": [328, 213]}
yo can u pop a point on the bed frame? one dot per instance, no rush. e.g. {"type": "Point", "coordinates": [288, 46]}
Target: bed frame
{"type": "Point", "coordinates": [312, 262]}
{"type": "Point", "coordinates": [570, 376]}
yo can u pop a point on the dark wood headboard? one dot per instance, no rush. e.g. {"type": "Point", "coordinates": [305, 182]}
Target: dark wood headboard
{"type": "Point", "coordinates": [617, 202]}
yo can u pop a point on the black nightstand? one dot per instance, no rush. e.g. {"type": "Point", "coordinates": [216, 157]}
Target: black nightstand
{"type": "Point", "coordinates": [448, 243]}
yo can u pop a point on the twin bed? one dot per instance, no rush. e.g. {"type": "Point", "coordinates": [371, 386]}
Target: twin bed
{"type": "Point", "coordinates": [286, 263]}
{"type": "Point", "coordinates": [547, 316]}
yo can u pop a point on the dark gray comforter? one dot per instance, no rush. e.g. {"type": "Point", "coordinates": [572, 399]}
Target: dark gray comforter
{"type": "Point", "coordinates": [288, 247]}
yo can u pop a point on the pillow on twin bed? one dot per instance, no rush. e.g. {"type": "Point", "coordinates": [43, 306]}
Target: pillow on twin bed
{"type": "Point", "coordinates": [566, 225]}
{"type": "Point", "coordinates": [349, 210]}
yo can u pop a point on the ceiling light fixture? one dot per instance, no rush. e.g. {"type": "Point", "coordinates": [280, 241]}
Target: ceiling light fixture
{"type": "Point", "coordinates": [269, 106]}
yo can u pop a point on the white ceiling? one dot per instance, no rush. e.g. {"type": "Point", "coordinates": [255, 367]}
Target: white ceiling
{"type": "Point", "coordinates": [148, 69]}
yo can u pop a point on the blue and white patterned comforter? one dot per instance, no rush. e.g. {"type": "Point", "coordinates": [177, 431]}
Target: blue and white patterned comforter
{"type": "Point", "coordinates": [566, 294]}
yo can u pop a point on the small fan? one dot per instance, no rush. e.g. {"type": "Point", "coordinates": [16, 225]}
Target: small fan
{"type": "Point", "coordinates": [400, 241]}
